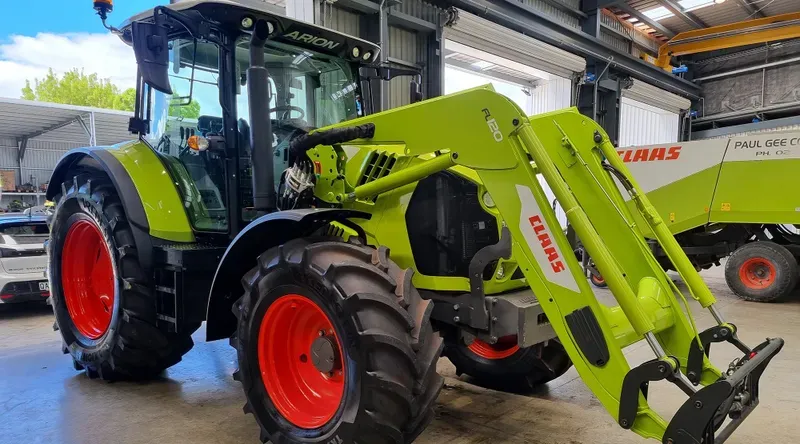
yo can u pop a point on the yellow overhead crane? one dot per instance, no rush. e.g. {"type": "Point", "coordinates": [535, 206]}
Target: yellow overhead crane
{"type": "Point", "coordinates": [749, 32]}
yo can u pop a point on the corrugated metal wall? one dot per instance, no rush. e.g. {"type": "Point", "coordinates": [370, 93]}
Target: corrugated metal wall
{"type": "Point", "coordinates": [41, 156]}
{"type": "Point", "coordinates": [561, 16]}
{"type": "Point", "coordinates": [551, 95]}
{"type": "Point", "coordinates": [407, 46]}
{"type": "Point", "coordinates": [342, 20]}
{"type": "Point", "coordinates": [621, 43]}
{"type": "Point", "coordinates": [642, 124]}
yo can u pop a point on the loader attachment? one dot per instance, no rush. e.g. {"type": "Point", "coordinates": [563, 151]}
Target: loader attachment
{"type": "Point", "coordinates": [488, 133]}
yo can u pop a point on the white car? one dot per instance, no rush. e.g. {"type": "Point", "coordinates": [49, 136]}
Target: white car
{"type": "Point", "coordinates": [23, 259]}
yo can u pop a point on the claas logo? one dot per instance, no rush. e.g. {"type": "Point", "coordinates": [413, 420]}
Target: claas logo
{"type": "Point", "coordinates": [650, 154]}
{"type": "Point", "coordinates": [547, 243]}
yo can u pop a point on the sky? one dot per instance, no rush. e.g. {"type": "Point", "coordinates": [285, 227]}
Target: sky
{"type": "Point", "coordinates": [54, 35]}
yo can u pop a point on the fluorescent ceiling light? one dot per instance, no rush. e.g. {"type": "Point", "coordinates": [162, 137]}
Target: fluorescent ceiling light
{"type": "Point", "coordinates": [482, 64]}
{"type": "Point", "coordinates": [633, 20]}
{"type": "Point", "coordinates": [691, 5]}
{"type": "Point", "coordinates": [659, 13]}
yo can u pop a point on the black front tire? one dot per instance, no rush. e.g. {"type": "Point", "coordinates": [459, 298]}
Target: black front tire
{"type": "Point", "coordinates": [388, 344]}
{"type": "Point", "coordinates": [520, 372]}
{"type": "Point", "coordinates": [132, 347]}
{"type": "Point", "coordinates": [775, 260]}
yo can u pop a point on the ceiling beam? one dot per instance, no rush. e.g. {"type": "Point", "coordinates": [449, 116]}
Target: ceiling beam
{"type": "Point", "coordinates": [525, 19]}
{"type": "Point", "coordinates": [687, 17]}
{"type": "Point", "coordinates": [628, 9]}
{"type": "Point", "coordinates": [753, 10]}
{"type": "Point", "coordinates": [49, 128]}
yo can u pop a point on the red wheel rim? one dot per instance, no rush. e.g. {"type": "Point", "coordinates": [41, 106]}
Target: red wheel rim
{"type": "Point", "coordinates": [597, 279]}
{"type": "Point", "coordinates": [87, 277]}
{"type": "Point", "coordinates": [757, 273]}
{"type": "Point", "coordinates": [304, 395]}
{"type": "Point", "coordinates": [505, 347]}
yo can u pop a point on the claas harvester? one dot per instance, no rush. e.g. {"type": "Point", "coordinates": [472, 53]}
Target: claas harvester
{"type": "Point", "coordinates": [342, 251]}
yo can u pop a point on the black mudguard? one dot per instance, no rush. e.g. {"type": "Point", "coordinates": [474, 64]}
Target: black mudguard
{"type": "Point", "coordinates": [257, 237]}
{"type": "Point", "coordinates": [100, 158]}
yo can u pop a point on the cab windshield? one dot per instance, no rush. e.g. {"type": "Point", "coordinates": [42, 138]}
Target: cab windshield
{"type": "Point", "coordinates": [307, 90]}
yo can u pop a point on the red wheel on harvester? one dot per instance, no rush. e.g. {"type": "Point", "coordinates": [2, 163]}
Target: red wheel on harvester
{"type": "Point", "coordinates": [761, 271]}
{"type": "Point", "coordinates": [335, 345]}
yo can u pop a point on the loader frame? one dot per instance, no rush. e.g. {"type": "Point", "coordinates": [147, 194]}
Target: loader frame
{"type": "Point", "coordinates": [579, 163]}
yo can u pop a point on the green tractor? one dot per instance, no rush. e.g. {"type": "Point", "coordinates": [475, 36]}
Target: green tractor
{"type": "Point", "coordinates": [342, 251]}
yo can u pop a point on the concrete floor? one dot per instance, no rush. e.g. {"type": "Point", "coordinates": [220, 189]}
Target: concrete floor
{"type": "Point", "coordinates": [43, 400]}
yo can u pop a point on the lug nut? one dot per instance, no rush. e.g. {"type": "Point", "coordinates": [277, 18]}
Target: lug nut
{"type": "Point", "coordinates": [456, 319]}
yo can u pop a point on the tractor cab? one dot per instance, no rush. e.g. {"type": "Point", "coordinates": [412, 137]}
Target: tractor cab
{"type": "Point", "coordinates": [195, 90]}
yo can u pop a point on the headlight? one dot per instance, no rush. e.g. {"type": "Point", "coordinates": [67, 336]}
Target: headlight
{"type": "Point", "coordinates": [487, 200]}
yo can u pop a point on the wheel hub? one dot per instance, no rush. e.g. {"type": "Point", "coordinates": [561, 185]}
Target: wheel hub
{"type": "Point", "coordinates": [300, 358]}
{"type": "Point", "coordinates": [323, 354]}
{"type": "Point", "coordinates": [757, 273]}
{"type": "Point", "coordinates": [87, 279]}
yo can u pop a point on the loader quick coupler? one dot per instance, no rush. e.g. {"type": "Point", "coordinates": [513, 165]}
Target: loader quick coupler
{"type": "Point", "coordinates": [734, 395]}
{"type": "Point", "coordinates": [638, 380]}
{"type": "Point", "coordinates": [717, 333]}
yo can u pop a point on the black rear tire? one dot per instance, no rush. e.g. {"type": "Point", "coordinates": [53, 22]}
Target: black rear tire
{"type": "Point", "coordinates": [132, 347]}
{"type": "Point", "coordinates": [773, 271]}
{"type": "Point", "coordinates": [520, 372]}
{"type": "Point", "coordinates": [383, 328]}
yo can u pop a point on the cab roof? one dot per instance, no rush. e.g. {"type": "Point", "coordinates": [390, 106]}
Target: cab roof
{"type": "Point", "coordinates": [229, 14]}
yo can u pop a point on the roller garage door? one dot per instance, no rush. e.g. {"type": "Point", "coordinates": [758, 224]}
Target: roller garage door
{"type": "Point", "coordinates": [649, 115]}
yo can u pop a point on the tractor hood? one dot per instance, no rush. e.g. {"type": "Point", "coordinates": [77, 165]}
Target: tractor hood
{"type": "Point", "coordinates": [228, 15]}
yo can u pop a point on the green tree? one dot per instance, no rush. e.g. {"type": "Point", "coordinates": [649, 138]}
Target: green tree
{"type": "Point", "coordinates": [179, 108]}
{"type": "Point", "coordinates": [77, 88]}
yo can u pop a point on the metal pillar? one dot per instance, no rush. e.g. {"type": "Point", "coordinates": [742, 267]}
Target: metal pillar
{"type": "Point", "coordinates": [600, 99]}
{"type": "Point", "coordinates": [593, 11]}
{"type": "Point", "coordinates": [92, 130]}
{"type": "Point", "coordinates": [434, 75]}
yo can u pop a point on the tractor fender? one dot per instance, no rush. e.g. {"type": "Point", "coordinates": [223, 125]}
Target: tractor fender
{"type": "Point", "coordinates": [242, 254]}
{"type": "Point", "coordinates": [94, 157]}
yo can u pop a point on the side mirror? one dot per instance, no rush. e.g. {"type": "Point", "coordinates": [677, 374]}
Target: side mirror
{"type": "Point", "coordinates": [150, 45]}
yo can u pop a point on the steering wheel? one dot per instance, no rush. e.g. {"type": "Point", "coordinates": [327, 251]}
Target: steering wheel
{"type": "Point", "coordinates": [288, 109]}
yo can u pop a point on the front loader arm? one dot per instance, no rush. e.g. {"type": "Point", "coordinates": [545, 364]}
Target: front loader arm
{"type": "Point", "coordinates": [488, 133]}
